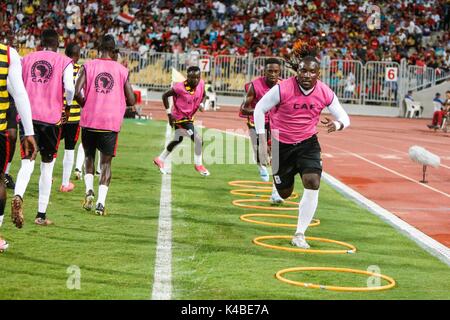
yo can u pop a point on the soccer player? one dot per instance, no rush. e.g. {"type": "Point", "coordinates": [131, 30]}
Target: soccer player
{"type": "Point", "coordinates": [107, 93]}
{"type": "Point", "coordinates": [11, 116]}
{"type": "Point", "coordinates": [11, 83]}
{"type": "Point", "coordinates": [188, 97]}
{"type": "Point", "coordinates": [255, 91]}
{"type": "Point", "coordinates": [46, 75]}
{"type": "Point", "coordinates": [71, 128]}
{"type": "Point", "coordinates": [296, 105]}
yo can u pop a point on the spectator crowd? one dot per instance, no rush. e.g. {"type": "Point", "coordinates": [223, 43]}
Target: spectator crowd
{"type": "Point", "coordinates": [354, 30]}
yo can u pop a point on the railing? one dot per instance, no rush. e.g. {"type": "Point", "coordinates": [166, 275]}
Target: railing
{"type": "Point", "coordinates": [352, 81]}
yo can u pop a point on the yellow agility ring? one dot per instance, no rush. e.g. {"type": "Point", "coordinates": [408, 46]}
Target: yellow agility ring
{"type": "Point", "coordinates": [251, 184]}
{"type": "Point", "coordinates": [238, 203]}
{"type": "Point", "coordinates": [252, 193]}
{"type": "Point", "coordinates": [246, 218]}
{"type": "Point", "coordinates": [258, 241]}
{"type": "Point", "coordinates": [279, 276]}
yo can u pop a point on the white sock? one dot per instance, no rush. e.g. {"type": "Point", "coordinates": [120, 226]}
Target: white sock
{"type": "Point", "coordinates": [80, 158]}
{"type": "Point", "coordinates": [45, 185]}
{"type": "Point", "coordinates": [307, 209]}
{"type": "Point", "coordinates": [198, 159]}
{"type": "Point", "coordinates": [67, 166]}
{"type": "Point", "coordinates": [7, 168]}
{"type": "Point", "coordinates": [102, 192]}
{"type": "Point", "coordinates": [1, 219]}
{"type": "Point", "coordinates": [89, 182]}
{"type": "Point", "coordinates": [99, 164]}
{"type": "Point", "coordinates": [275, 191]}
{"type": "Point", "coordinates": [23, 177]}
{"type": "Point", "coordinates": [164, 155]}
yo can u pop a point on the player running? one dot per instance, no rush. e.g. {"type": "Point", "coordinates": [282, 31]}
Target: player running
{"type": "Point", "coordinates": [255, 91]}
{"type": "Point", "coordinates": [107, 93]}
{"type": "Point", "coordinates": [46, 75]}
{"type": "Point", "coordinates": [71, 127]}
{"type": "Point", "coordinates": [188, 97]}
{"type": "Point", "coordinates": [295, 105]}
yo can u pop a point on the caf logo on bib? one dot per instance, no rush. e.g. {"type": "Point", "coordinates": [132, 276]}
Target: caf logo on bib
{"type": "Point", "coordinates": [104, 83]}
{"type": "Point", "coordinates": [41, 71]}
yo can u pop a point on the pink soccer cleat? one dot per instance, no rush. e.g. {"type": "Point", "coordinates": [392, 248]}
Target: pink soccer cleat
{"type": "Point", "coordinates": [160, 164]}
{"type": "Point", "coordinates": [202, 170]}
{"type": "Point", "coordinates": [69, 188]}
{"type": "Point", "coordinates": [3, 245]}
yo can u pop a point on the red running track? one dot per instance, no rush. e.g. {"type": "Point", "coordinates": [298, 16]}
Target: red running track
{"type": "Point", "coordinates": [371, 157]}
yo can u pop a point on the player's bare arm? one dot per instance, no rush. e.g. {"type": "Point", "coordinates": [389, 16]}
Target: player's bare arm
{"type": "Point", "coordinates": [81, 82]}
{"type": "Point", "coordinates": [245, 107]}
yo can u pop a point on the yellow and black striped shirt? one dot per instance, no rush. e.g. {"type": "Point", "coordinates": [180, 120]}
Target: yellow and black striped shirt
{"type": "Point", "coordinates": [4, 96]}
{"type": "Point", "coordinates": [75, 107]}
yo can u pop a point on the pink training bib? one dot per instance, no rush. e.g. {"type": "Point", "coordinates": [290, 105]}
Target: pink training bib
{"type": "Point", "coordinates": [185, 104]}
{"type": "Point", "coordinates": [104, 93]}
{"type": "Point", "coordinates": [42, 73]}
{"type": "Point", "coordinates": [295, 118]}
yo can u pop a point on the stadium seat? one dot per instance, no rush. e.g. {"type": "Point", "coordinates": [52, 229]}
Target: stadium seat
{"type": "Point", "coordinates": [413, 109]}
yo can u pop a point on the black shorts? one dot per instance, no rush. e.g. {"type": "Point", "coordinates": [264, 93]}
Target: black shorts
{"type": "Point", "coordinates": [105, 141]}
{"type": "Point", "coordinates": [47, 137]}
{"type": "Point", "coordinates": [187, 128]}
{"type": "Point", "coordinates": [70, 134]}
{"type": "Point", "coordinates": [303, 157]}
{"type": "Point", "coordinates": [4, 151]}
{"type": "Point", "coordinates": [11, 115]}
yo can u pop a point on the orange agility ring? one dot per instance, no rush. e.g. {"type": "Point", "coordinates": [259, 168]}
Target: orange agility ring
{"type": "Point", "coordinates": [251, 184]}
{"type": "Point", "coordinates": [239, 203]}
{"type": "Point", "coordinates": [246, 218]}
{"type": "Point", "coordinates": [258, 241]}
{"type": "Point", "coordinates": [255, 193]}
{"type": "Point", "coordinates": [279, 276]}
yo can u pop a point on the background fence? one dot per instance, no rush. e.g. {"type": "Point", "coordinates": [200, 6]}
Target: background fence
{"type": "Point", "coordinates": [375, 83]}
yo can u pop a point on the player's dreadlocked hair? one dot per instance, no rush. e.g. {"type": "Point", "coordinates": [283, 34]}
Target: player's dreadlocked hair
{"type": "Point", "coordinates": [301, 50]}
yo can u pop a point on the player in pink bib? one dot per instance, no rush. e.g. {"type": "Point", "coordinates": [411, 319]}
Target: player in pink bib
{"type": "Point", "coordinates": [46, 75]}
{"type": "Point", "coordinates": [255, 91]}
{"type": "Point", "coordinates": [107, 92]}
{"type": "Point", "coordinates": [188, 97]}
{"type": "Point", "coordinates": [295, 106]}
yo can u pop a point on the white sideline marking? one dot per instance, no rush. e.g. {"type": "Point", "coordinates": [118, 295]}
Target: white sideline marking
{"type": "Point", "coordinates": [162, 280]}
{"type": "Point", "coordinates": [389, 156]}
{"type": "Point", "coordinates": [429, 244]}
{"type": "Point", "coordinates": [392, 171]}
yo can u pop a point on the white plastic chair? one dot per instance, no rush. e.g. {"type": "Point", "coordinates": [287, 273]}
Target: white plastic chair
{"type": "Point", "coordinates": [413, 109]}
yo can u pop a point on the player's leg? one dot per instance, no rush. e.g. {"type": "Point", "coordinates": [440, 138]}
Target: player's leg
{"type": "Point", "coordinates": [70, 133]}
{"type": "Point", "coordinates": [263, 173]}
{"type": "Point", "coordinates": [12, 137]}
{"type": "Point", "coordinates": [4, 155]}
{"type": "Point", "coordinates": [11, 116]}
{"type": "Point", "coordinates": [88, 139]}
{"type": "Point", "coordinates": [310, 168]}
{"type": "Point", "coordinates": [51, 135]}
{"type": "Point", "coordinates": [283, 169]}
{"type": "Point", "coordinates": [178, 138]}
{"type": "Point", "coordinates": [198, 146]}
{"type": "Point", "coordinates": [23, 178]}
{"type": "Point", "coordinates": [107, 145]}
{"type": "Point", "coordinates": [79, 162]}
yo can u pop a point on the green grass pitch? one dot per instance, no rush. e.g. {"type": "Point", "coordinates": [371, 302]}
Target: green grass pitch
{"type": "Point", "coordinates": [212, 250]}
